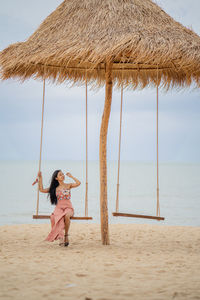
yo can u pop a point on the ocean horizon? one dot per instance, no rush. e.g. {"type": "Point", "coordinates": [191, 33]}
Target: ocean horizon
{"type": "Point", "coordinates": [178, 181]}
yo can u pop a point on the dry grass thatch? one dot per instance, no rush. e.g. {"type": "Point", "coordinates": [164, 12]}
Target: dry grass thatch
{"type": "Point", "coordinates": [80, 36]}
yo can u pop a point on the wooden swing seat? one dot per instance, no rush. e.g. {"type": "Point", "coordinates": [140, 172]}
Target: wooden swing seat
{"type": "Point", "coordinates": [72, 218]}
{"type": "Point", "coordinates": [117, 214]}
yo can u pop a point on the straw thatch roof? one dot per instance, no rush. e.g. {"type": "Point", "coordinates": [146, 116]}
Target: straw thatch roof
{"type": "Point", "coordinates": [137, 36]}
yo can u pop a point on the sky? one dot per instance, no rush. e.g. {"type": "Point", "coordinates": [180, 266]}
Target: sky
{"type": "Point", "coordinates": [64, 119]}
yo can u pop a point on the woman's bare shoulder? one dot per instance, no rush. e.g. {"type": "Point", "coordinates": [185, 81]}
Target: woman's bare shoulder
{"type": "Point", "coordinates": [68, 186]}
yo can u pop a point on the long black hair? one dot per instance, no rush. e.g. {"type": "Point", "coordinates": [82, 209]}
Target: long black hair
{"type": "Point", "coordinates": [52, 189]}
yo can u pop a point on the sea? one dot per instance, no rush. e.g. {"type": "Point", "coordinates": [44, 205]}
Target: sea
{"type": "Point", "coordinates": [179, 195]}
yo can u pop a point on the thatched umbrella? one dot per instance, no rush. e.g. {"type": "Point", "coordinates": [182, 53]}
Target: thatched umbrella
{"type": "Point", "coordinates": [132, 42]}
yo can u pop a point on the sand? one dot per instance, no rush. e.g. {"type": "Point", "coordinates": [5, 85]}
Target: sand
{"type": "Point", "coordinates": [142, 262]}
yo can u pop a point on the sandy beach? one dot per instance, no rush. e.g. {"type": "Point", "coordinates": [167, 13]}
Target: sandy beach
{"type": "Point", "coordinates": [142, 262]}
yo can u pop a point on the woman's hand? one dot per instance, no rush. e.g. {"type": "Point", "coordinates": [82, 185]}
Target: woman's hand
{"type": "Point", "coordinates": [38, 178]}
{"type": "Point", "coordinates": [73, 185]}
{"type": "Point", "coordinates": [69, 174]}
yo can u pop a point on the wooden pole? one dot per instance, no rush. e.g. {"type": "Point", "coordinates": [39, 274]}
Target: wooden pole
{"type": "Point", "coordinates": [103, 155]}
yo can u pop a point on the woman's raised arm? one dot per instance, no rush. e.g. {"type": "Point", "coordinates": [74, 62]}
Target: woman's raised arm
{"type": "Point", "coordinates": [73, 185]}
{"type": "Point", "coordinates": [41, 189]}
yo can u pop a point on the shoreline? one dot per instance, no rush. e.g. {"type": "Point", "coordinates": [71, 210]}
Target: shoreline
{"type": "Point", "coordinates": [110, 224]}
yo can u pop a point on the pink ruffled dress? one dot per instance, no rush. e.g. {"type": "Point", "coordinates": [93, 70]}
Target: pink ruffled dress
{"type": "Point", "coordinates": [63, 207]}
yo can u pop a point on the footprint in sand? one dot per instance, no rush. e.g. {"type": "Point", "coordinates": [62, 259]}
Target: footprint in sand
{"type": "Point", "coordinates": [115, 274]}
{"type": "Point", "coordinates": [162, 271]}
{"type": "Point", "coordinates": [81, 275]}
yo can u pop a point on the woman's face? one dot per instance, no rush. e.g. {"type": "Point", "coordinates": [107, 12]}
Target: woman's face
{"type": "Point", "coordinates": [60, 176]}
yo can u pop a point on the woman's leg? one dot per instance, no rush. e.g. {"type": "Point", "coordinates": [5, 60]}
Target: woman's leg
{"type": "Point", "coordinates": [52, 218]}
{"type": "Point", "coordinates": [67, 223]}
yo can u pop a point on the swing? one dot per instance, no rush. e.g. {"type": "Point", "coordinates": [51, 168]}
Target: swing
{"type": "Point", "coordinates": [117, 213]}
{"type": "Point", "coordinates": [37, 215]}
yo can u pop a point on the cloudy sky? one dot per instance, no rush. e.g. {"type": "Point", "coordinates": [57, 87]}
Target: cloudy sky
{"type": "Point", "coordinates": [64, 127]}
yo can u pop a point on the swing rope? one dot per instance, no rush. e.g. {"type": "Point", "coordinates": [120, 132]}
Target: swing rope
{"type": "Point", "coordinates": [41, 140]}
{"type": "Point", "coordinates": [116, 214]}
{"type": "Point", "coordinates": [158, 203]}
{"type": "Point", "coordinates": [119, 151]}
{"type": "Point", "coordinates": [37, 216]}
{"type": "Point", "coordinates": [86, 126]}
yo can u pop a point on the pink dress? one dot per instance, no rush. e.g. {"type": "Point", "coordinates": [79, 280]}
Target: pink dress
{"type": "Point", "coordinates": [63, 207]}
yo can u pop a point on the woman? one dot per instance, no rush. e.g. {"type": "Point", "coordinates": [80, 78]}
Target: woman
{"type": "Point", "coordinates": [60, 195]}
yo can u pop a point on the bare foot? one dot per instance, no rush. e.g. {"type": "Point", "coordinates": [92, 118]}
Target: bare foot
{"type": "Point", "coordinates": [61, 242]}
{"type": "Point", "coordinates": [66, 240]}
